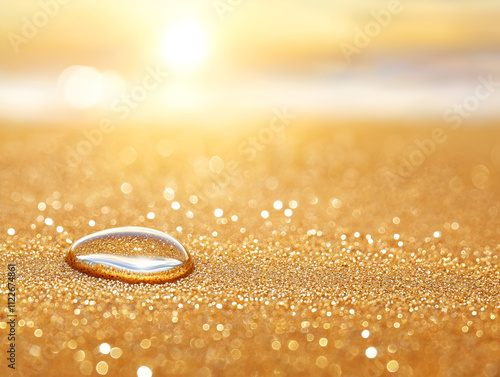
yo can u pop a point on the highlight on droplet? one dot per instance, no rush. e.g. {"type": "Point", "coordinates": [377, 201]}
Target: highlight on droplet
{"type": "Point", "coordinates": [131, 255]}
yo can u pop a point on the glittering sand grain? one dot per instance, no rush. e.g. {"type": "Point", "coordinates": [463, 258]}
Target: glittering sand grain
{"type": "Point", "coordinates": [308, 261]}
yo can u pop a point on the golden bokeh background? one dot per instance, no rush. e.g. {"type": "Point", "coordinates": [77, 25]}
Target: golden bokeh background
{"type": "Point", "coordinates": [333, 169]}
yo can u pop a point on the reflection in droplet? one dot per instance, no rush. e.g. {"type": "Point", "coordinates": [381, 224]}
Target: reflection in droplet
{"type": "Point", "coordinates": [131, 255]}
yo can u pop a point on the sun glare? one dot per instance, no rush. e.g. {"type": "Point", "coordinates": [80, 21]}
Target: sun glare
{"type": "Point", "coordinates": [82, 86]}
{"type": "Point", "coordinates": [185, 46]}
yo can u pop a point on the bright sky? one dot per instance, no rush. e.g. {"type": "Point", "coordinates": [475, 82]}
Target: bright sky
{"type": "Point", "coordinates": [59, 58]}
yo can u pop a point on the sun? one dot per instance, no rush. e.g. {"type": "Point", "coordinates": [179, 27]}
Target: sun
{"type": "Point", "coordinates": [185, 46]}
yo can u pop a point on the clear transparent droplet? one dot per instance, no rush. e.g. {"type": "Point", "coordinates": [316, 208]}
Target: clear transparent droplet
{"type": "Point", "coordinates": [131, 255]}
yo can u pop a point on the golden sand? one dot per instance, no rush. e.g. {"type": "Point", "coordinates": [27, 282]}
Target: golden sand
{"type": "Point", "coordinates": [313, 255]}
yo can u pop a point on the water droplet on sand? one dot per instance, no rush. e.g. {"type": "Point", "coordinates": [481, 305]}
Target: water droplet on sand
{"type": "Point", "coordinates": [131, 255]}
